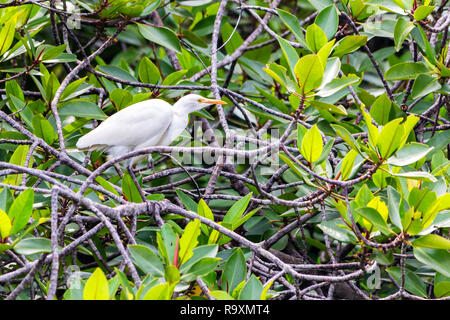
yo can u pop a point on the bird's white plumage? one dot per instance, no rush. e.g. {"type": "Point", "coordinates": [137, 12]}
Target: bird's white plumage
{"type": "Point", "coordinates": [144, 124]}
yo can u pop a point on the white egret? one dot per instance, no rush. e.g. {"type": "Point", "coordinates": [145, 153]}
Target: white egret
{"type": "Point", "coordinates": [144, 124]}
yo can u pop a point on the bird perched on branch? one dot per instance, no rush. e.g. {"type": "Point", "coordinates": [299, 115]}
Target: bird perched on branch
{"type": "Point", "coordinates": [145, 124]}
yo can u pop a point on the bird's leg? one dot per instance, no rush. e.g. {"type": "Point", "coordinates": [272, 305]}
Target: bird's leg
{"type": "Point", "coordinates": [150, 163]}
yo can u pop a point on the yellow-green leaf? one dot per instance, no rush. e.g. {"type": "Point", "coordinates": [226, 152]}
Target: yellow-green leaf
{"type": "Point", "coordinates": [96, 287]}
{"type": "Point", "coordinates": [312, 144]}
{"type": "Point", "coordinates": [5, 225]}
{"type": "Point", "coordinates": [309, 73]}
{"type": "Point", "coordinates": [189, 240]}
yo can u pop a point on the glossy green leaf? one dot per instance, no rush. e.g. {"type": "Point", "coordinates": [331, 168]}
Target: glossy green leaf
{"type": "Point", "coordinates": [389, 138]}
{"type": "Point", "coordinates": [422, 12]}
{"type": "Point", "coordinates": [189, 240]}
{"type": "Point", "coordinates": [82, 109]}
{"type": "Point", "coordinates": [129, 189]}
{"type": "Point", "coordinates": [347, 164]}
{"type": "Point", "coordinates": [7, 35]}
{"type": "Point", "coordinates": [146, 260]}
{"type": "Point", "coordinates": [148, 72]}
{"type": "Point", "coordinates": [309, 73]}
{"type": "Point", "coordinates": [432, 241]}
{"type": "Point", "coordinates": [334, 229]}
{"type": "Point", "coordinates": [375, 218]}
{"type": "Point", "coordinates": [423, 85]}
{"type": "Point", "coordinates": [252, 290]}
{"type": "Point", "coordinates": [401, 32]}
{"type": "Point", "coordinates": [96, 287]}
{"type": "Point", "coordinates": [328, 21]}
{"type": "Point", "coordinates": [348, 45]}
{"type": "Point", "coordinates": [413, 283]}
{"type": "Point", "coordinates": [20, 211]}
{"type": "Point", "coordinates": [293, 25]}
{"type": "Point", "coordinates": [236, 211]}
{"type": "Point", "coordinates": [30, 246]}
{"type": "Point", "coordinates": [394, 201]}
{"type": "Point", "coordinates": [436, 259]}
{"type": "Point", "coordinates": [160, 35]}
{"type": "Point", "coordinates": [312, 144]}
{"type": "Point", "coordinates": [235, 271]}
{"type": "Point", "coordinates": [380, 109]}
{"type": "Point", "coordinates": [315, 37]}
{"type": "Point", "coordinates": [5, 225]}
{"type": "Point", "coordinates": [405, 71]}
{"type": "Point", "coordinates": [337, 85]}
{"type": "Point", "coordinates": [43, 129]}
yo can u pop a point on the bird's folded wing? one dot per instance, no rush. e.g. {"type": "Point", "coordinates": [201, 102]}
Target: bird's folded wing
{"type": "Point", "coordinates": [143, 122]}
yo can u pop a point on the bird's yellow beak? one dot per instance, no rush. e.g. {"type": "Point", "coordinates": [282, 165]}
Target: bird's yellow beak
{"type": "Point", "coordinates": [211, 101]}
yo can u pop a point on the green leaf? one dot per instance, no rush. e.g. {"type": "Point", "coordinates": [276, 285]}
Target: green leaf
{"type": "Point", "coordinates": [187, 202]}
{"type": "Point", "coordinates": [121, 98]}
{"type": "Point", "coordinates": [146, 260]}
{"type": "Point", "coordinates": [220, 295]}
{"type": "Point", "coordinates": [346, 136]}
{"type": "Point", "coordinates": [200, 252]}
{"type": "Point", "coordinates": [82, 109]}
{"type": "Point", "coordinates": [43, 129]}
{"type": "Point", "coordinates": [18, 158]}
{"type": "Point", "coordinates": [309, 73]}
{"type": "Point", "coordinates": [334, 229]}
{"type": "Point", "coordinates": [401, 31]}
{"type": "Point", "coordinates": [337, 85]}
{"type": "Point", "coordinates": [373, 130]}
{"type": "Point", "coordinates": [348, 45]}
{"type": "Point", "coordinates": [389, 138]}
{"type": "Point", "coordinates": [129, 189]}
{"type": "Point", "coordinates": [405, 71]}
{"type": "Point", "coordinates": [413, 283]}
{"type": "Point", "coordinates": [234, 214]}
{"type": "Point", "coordinates": [148, 72]}
{"type": "Point", "coordinates": [160, 35]}
{"type": "Point", "coordinates": [394, 200]}
{"type": "Point", "coordinates": [7, 34]}
{"type": "Point", "coordinates": [290, 54]}
{"type": "Point", "coordinates": [201, 268]}
{"type": "Point", "coordinates": [30, 246]}
{"type": "Point", "coordinates": [204, 211]}
{"type": "Point", "coordinates": [172, 275]}
{"type": "Point", "coordinates": [436, 259]}
{"type": "Point", "coordinates": [189, 240]}
{"type": "Point", "coordinates": [117, 72]}
{"type": "Point", "coordinates": [410, 153]}
{"type": "Point", "coordinates": [315, 37]}
{"type": "Point", "coordinates": [424, 85]}
{"type": "Point", "coordinates": [159, 292]}
{"type": "Point", "coordinates": [415, 175]}
{"type": "Point", "coordinates": [291, 22]}
{"type": "Point", "coordinates": [5, 225]}
{"type": "Point", "coordinates": [312, 144]}
{"type": "Point", "coordinates": [375, 218]}
{"type": "Point", "coordinates": [432, 241]}
{"type": "Point", "coordinates": [441, 286]}
{"type": "Point", "coordinates": [96, 287]}
{"type": "Point", "coordinates": [347, 164]}
{"type": "Point", "coordinates": [252, 289]}
{"type": "Point", "coordinates": [380, 109]}
{"type": "Point", "coordinates": [20, 211]}
{"type": "Point", "coordinates": [328, 21]}
{"type": "Point", "coordinates": [174, 78]}
{"type": "Point", "coordinates": [235, 271]}
{"type": "Point", "coordinates": [167, 239]}
{"type": "Point", "coordinates": [422, 12]}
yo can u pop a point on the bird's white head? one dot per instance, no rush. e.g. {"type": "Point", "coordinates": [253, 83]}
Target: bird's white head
{"type": "Point", "coordinates": [194, 102]}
